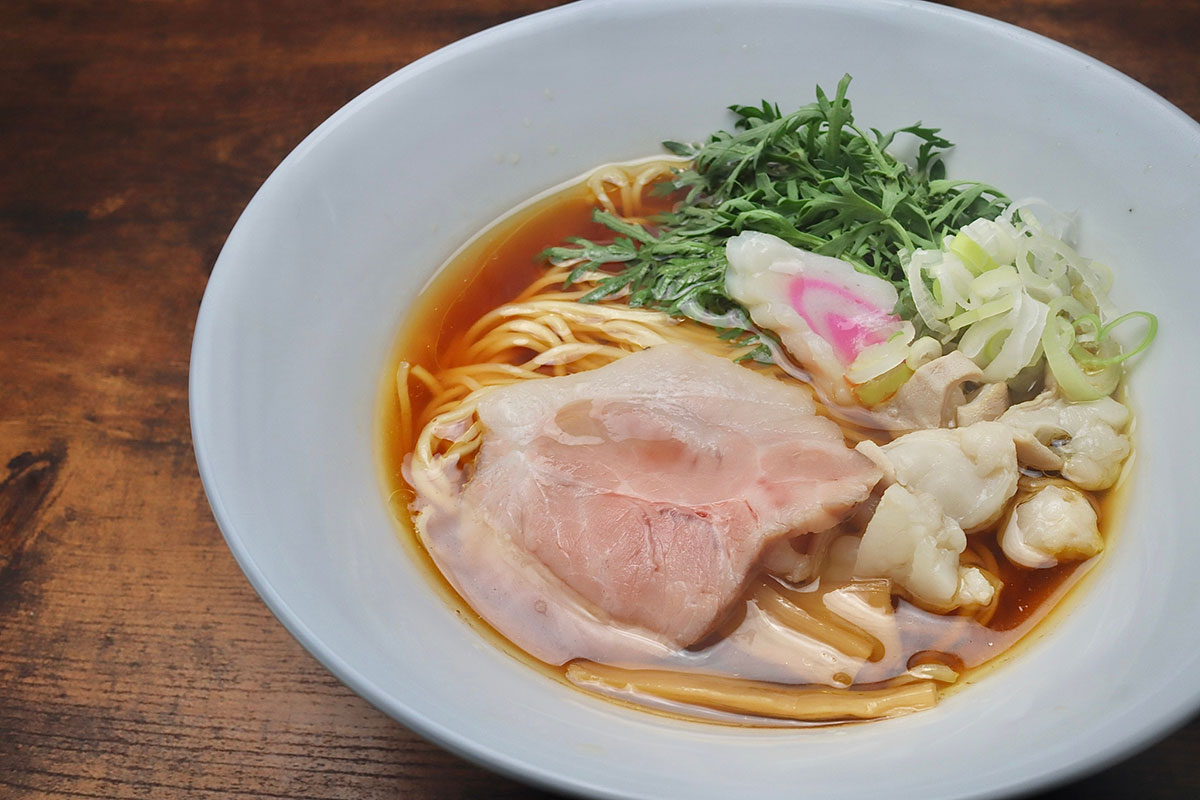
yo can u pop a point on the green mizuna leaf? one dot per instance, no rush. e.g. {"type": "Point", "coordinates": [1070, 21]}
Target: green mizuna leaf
{"type": "Point", "coordinates": [810, 177]}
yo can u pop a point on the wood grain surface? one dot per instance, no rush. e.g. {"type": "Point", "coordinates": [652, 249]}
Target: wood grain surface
{"type": "Point", "coordinates": [135, 660]}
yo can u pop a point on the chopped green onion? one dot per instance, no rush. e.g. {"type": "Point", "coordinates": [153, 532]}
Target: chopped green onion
{"type": "Point", "coordinates": [984, 311]}
{"type": "Point", "coordinates": [972, 254]}
{"type": "Point", "coordinates": [1075, 383]}
{"type": "Point", "coordinates": [1087, 359]}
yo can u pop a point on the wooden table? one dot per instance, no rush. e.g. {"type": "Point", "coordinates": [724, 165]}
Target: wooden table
{"type": "Point", "coordinates": [135, 660]}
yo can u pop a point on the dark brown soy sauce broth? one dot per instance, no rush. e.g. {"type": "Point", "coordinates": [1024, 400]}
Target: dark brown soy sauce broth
{"type": "Point", "coordinates": [495, 268]}
{"type": "Point", "coordinates": [489, 272]}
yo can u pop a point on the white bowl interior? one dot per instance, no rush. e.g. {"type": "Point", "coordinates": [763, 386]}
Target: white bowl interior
{"type": "Point", "coordinates": [306, 299]}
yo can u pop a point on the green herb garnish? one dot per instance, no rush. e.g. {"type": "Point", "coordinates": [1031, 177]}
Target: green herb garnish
{"type": "Point", "coordinates": [810, 177]}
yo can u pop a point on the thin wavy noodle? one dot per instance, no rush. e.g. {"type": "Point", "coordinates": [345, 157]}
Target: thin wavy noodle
{"type": "Point", "coordinates": [806, 703]}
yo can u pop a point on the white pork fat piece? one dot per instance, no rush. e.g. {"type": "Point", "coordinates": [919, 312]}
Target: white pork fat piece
{"type": "Point", "coordinates": [986, 406]}
{"type": "Point", "coordinates": [1056, 524]}
{"type": "Point", "coordinates": [823, 310]}
{"type": "Point", "coordinates": [910, 541]}
{"type": "Point", "coordinates": [971, 471]}
{"type": "Point", "coordinates": [932, 396]}
{"type": "Point", "coordinates": [1082, 440]}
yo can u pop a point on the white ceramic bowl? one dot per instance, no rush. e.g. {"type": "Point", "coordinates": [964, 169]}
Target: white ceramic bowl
{"type": "Point", "coordinates": [309, 291]}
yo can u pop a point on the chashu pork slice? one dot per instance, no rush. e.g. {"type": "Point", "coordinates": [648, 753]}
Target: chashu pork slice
{"type": "Point", "coordinates": [647, 491]}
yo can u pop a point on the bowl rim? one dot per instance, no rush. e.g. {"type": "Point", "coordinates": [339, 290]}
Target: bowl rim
{"type": "Point", "coordinates": [1136, 737]}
